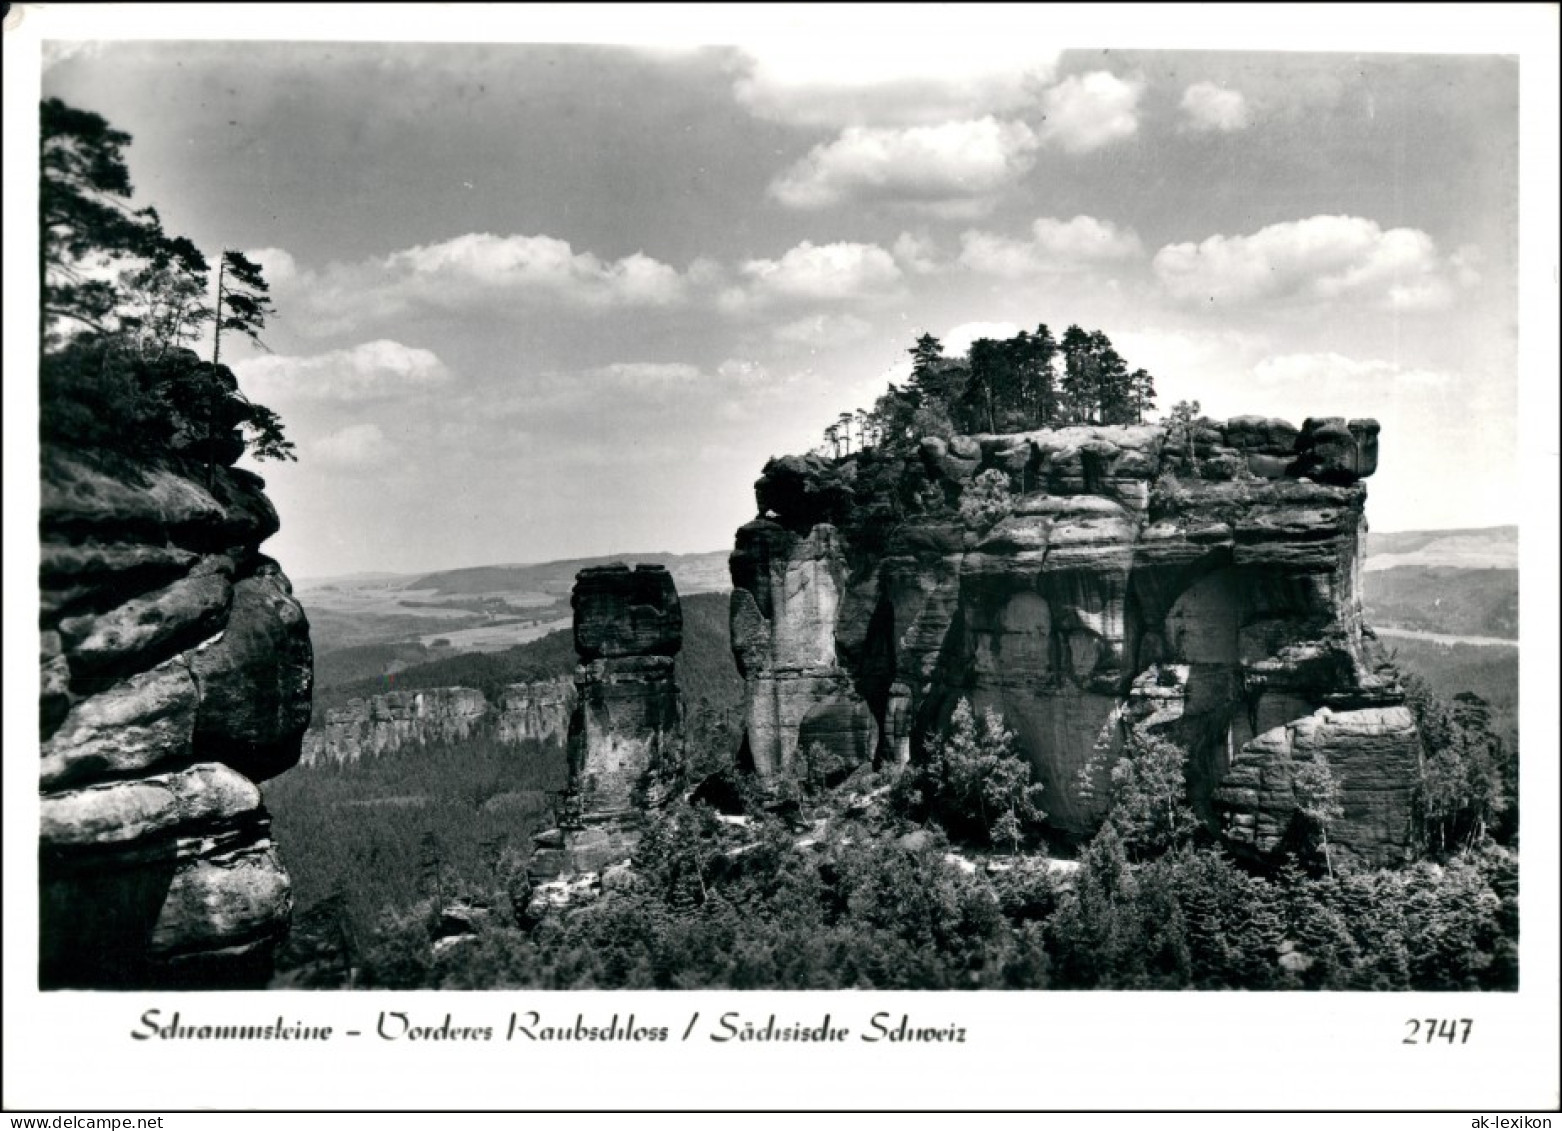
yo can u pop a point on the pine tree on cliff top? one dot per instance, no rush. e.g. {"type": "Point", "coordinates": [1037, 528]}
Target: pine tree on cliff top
{"type": "Point", "coordinates": [1007, 385]}
{"type": "Point", "coordinates": [243, 301]}
{"type": "Point", "coordinates": [85, 222]}
{"type": "Point", "coordinates": [925, 354]}
{"type": "Point", "coordinates": [119, 295]}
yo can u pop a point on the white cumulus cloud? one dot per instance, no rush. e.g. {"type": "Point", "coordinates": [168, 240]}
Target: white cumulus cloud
{"type": "Point", "coordinates": [1054, 246]}
{"type": "Point", "coordinates": [619, 394]}
{"type": "Point", "coordinates": [957, 340]}
{"type": "Point", "coordinates": [382, 368]}
{"type": "Point", "coordinates": [1087, 112]}
{"type": "Point", "coordinates": [833, 272]}
{"type": "Point", "coordinates": [539, 263]}
{"type": "Point", "coordinates": [1208, 107]}
{"type": "Point", "coordinates": [276, 265]}
{"type": "Point", "coordinates": [954, 161]}
{"type": "Point", "coordinates": [742, 372]}
{"type": "Point", "coordinates": [53, 52]}
{"type": "Point", "coordinates": [1323, 258]}
{"type": "Point", "coordinates": [1364, 379]}
{"type": "Point", "coordinates": [648, 373]}
{"type": "Point", "coordinates": [356, 446]}
{"type": "Point", "coordinates": [910, 80]}
{"type": "Point", "coordinates": [916, 253]}
{"type": "Point", "coordinates": [1212, 365]}
{"type": "Point", "coordinates": [475, 271]}
{"type": "Point", "coordinates": [819, 330]}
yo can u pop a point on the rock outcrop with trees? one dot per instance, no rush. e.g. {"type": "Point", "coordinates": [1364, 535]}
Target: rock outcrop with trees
{"type": "Point", "coordinates": [1098, 586]}
{"type": "Point", "coordinates": [1029, 381]}
{"type": "Point", "coordinates": [175, 663]}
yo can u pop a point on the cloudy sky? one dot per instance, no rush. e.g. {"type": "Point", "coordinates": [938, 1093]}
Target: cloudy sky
{"type": "Point", "coordinates": [538, 301]}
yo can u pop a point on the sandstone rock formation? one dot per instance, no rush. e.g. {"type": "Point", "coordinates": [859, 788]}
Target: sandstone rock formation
{"type": "Point", "coordinates": [1198, 582]}
{"type": "Point", "coordinates": [799, 701]}
{"type": "Point", "coordinates": [176, 671]}
{"type": "Point", "coordinates": [382, 723]}
{"type": "Point", "coordinates": [525, 712]}
{"type": "Point", "coordinates": [626, 730]}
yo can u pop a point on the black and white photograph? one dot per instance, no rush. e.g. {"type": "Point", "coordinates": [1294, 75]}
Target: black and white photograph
{"type": "Point", "coordinates": [746, 538]}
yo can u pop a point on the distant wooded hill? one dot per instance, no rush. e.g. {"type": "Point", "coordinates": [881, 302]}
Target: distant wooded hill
{"type": "Point", "coordinates": [706, 671]}
{"type": "Point", "coordinates": [1451, 583]}
{"type": "Point", "coordinates": [692, 573]}
{"type": "Point", "coordinates": [1444, 600]}
{"type": "Point", "coordinates": [1495, 547]}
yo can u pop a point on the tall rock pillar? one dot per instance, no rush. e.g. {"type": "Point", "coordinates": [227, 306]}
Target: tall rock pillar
{"type": "Point", "coordinates": [804, 717]}
{"type": "Point", "coordinates": [627, 726]}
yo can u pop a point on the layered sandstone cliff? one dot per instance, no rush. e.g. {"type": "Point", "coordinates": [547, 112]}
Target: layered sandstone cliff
{"type": "Point", "coordinates": [1201, 583]}
{"type": "Point", "coordinates": [625, 734]}
{"type": "Point", "coordinates": [537, 712]}
{"type": "Point", "coordinates": [175, 673]}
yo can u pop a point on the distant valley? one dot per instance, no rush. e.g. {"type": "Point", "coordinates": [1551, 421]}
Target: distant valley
{"type": "Point", "coordinates": [352, 827]}
{"type": "Point", "coordinates": [1446, 605]}
{"type": "Point", "coordinates": [1445, 602]}
{"type": "Point", "coordinates": [373, 624]}
{"type": "Point", "coordinates": [1495, 547]}
{"type": "Point", "coordinates": [1452, 583]}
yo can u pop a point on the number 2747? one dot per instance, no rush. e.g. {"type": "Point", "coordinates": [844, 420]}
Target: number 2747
{"type": "Point", "coordinates": [1425, 1032]}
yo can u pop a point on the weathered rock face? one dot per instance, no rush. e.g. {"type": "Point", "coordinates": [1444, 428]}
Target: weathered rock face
{"type": "Point", "coordinates": [536, 712]}
{"type": "Point", "coordinates": [175, 672]}
{"type": "Point", "coordinates": [802, 714]}
{"type": "Point", "coordinates": [526, 712]}
{"type": "Point", "coordinates": [621, 612]}
{"type": "Point", "coordinates": [1201, 582]}
{"type": "Point", "coordinates": [629, 716]}
{"type": "Point", "coordinates": [377, 725]}
{"type": "Point", "coordinates": [1374, 750]}
{"type": "Point", "coordinates": [627, 724]}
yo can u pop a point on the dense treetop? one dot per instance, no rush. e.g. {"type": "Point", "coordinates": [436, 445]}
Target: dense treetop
{"type": "Point", "coordinates": [1031, 380]}
{"type": "Point", "coordinates": [122, 300]}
